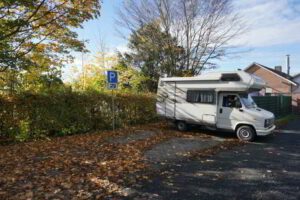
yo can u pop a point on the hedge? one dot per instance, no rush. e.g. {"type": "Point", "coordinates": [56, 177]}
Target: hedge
{"type": "Point", "coordinates": [279, 105]}
{"type": "Point", "coordinates": [25, 116]}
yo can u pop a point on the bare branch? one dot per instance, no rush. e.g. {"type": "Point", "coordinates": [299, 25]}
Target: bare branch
{"type": "Point", "coordinates": [203, 28]}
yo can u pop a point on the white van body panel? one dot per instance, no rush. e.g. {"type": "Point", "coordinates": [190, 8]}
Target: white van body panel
{"type": "Point", "coordinates": [172, 101]}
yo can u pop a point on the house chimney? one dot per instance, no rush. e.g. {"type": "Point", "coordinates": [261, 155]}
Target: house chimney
{"type": "Point", "coordinates": [288, 64]}
{"type": "Point", "coordinates": [278, 68]}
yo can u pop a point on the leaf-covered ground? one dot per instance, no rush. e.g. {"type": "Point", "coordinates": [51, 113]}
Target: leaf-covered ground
{"type": "Point", "coordinates": [86, 166]}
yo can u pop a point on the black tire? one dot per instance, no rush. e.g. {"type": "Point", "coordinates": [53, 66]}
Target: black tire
{"type": "Point", "coordinates": [181, 126]}
{"type": "Point", "coordinates": [246, 133]}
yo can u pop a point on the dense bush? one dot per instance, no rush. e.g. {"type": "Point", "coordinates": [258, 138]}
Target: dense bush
{"type": "Point", "coordinates": [26, 115]}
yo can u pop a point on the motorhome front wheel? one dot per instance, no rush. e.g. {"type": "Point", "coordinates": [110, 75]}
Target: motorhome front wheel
{"type": "Point", "coordinates": [245, 133]}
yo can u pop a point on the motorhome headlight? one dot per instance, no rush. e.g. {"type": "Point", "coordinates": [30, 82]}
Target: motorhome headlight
{"type": "Point", "coordinates": [269, 122]}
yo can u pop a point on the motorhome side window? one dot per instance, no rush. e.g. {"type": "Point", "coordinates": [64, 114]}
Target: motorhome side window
{"type": "Point", "coordinates": [231, 101]}
{"type": "Point", "coordinates": [196, 96]}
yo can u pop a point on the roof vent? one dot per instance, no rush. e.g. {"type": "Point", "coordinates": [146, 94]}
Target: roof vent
{"type": "Point", "coordinates": [230, 77]}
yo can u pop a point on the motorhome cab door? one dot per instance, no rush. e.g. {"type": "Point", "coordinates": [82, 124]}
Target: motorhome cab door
{"type": "Point", "coordinates": [229, 110]}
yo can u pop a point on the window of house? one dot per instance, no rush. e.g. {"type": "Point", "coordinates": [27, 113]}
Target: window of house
{"type": "Point", "coordinates": [196, 96]}
{"type": "Point", "coordinates": [269, 90]}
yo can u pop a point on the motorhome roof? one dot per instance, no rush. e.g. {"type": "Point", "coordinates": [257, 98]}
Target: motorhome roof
{"type": "Point", "coordinates": [223, 81]}
{"type": "Point", "coordinates": [211, 76]}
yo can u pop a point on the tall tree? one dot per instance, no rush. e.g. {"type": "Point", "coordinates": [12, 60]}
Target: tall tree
{"type": "Point", "coordinates": [154, 52]}
{"type": "Point", "coordinates": [130, 78]}
{"type": "Point", "coordinates": [43, 29]}
{"type": "Point", "coordinates": [203, 28]}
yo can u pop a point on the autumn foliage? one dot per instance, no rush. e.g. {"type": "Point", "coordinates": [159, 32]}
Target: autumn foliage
{"type": "Point", "coordinates": [29, 116]}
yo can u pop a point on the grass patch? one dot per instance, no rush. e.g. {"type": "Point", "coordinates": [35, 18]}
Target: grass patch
{"type": "Point", "coordinates": [286, 119]}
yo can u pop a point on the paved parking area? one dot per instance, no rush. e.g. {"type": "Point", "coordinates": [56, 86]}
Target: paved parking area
{"type": "Point", "coordinates": [153, 162]}
{"type": "Point", "coordinates": [176, 149]}
{"type": "Point", "coordinates": [266, 169]}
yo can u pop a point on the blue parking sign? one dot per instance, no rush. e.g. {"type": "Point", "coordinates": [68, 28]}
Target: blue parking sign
{"type": "Point", "coordinates": [112, 76]}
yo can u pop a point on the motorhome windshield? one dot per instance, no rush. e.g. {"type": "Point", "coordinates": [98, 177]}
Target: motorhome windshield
{"type": "Point", "coordinates": [247, 101]}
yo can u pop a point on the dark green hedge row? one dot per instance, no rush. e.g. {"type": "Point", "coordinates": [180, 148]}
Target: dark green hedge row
{"type": "Point", "coordinates": [279, 105]}
{"type": "Point", "coordinates": [25, 116]}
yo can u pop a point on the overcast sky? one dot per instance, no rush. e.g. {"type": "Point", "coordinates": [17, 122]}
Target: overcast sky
{"type": "Point", "coordinates": [273, 32]}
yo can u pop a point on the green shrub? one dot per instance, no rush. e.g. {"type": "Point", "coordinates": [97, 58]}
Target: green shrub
{"type": "Point", "coordinates": [24, 131]}
{"type": "Point", "coordinates": [27, 115]}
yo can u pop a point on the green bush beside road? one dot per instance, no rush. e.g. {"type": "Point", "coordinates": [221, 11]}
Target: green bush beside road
{"type": "Point", "coordinates": [286, 119]}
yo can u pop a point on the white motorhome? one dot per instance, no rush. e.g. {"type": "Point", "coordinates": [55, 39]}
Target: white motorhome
{"type": "Point", "coordinates": [217, 100]}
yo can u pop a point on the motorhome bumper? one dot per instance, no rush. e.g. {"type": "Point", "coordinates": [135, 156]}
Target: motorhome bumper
{"type": "Point", "coordinates": [265, 132]}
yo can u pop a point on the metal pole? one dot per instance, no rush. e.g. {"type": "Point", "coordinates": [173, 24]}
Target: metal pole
{"type": "Point", "coordinates": [288, 64]}
{"type": "Point", "coordinates": [113, 109]}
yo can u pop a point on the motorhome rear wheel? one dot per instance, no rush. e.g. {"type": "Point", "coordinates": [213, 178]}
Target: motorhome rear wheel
{"type": "Point", "coordinates": [181, 126]}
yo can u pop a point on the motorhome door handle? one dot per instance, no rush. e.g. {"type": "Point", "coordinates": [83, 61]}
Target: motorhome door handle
{"type": "Point", "coordinates": [241, 110]}
{"type": "Point", "coordinates": [221, 110]}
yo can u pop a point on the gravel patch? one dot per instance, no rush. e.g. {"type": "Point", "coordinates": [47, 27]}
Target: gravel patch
{"type": "Point", "coordinates": [177, 148]}
{"type": "Point", "coordinates": [137, 135]}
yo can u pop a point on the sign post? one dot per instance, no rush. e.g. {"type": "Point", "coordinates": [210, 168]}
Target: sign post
{"type": "Point", "coordinates": [112, 84]}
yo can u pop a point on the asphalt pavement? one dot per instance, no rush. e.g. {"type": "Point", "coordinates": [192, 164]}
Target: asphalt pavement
{"type": "Point", "coordinates": [268, 168]}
